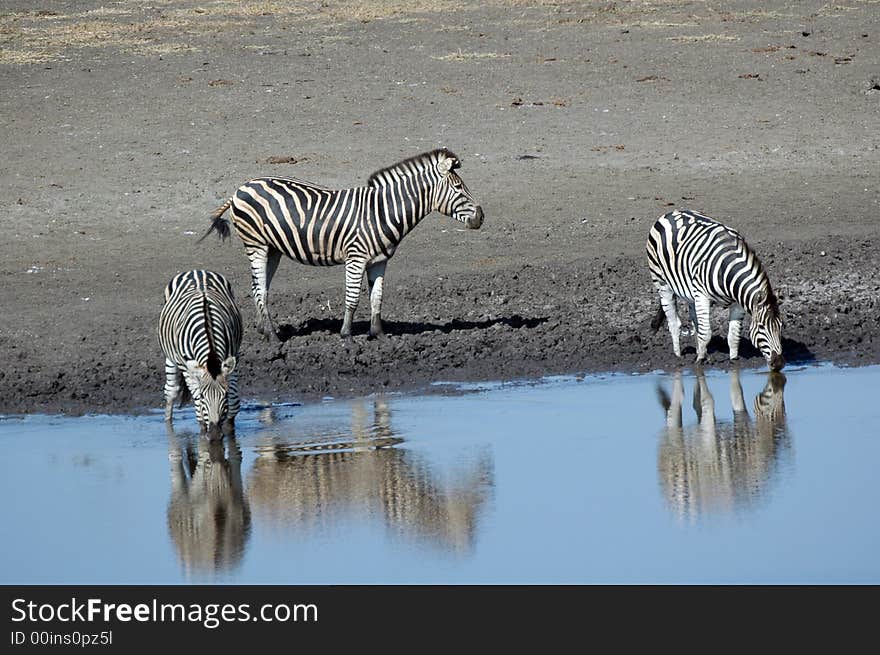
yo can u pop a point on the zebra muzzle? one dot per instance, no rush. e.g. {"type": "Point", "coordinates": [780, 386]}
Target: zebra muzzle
{"type": "Point", "coordinates": [476, 221]}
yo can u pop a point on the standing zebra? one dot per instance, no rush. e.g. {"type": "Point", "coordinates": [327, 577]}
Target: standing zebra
{"type": "Point", "coordinates": [200, 334]}
{"type": "Point", "coordinates": [359, 227]}
{"type": "Point", "coordinates": [696, 258]}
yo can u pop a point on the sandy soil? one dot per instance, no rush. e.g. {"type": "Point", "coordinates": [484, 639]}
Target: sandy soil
{"type": "Point", "coordinates": [124, 124]}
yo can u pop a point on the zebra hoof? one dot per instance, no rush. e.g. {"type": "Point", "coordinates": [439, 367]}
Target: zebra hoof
{"type": "Point", "coordinates": [268, 333]}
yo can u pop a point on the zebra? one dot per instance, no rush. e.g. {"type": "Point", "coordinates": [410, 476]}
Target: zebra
{"type": "Point", "coordinates": [721, 464]}
{"type": "Point", "coordinates": [360, 227]}
{"type": "Point", "coordinates": [208, 515]}
{"type": "Point", "coordinates": [308, 473]}
{"type": "Point", "coordinates": [700, 260]}
{"type": "Point", "coordinates": [200, 334]}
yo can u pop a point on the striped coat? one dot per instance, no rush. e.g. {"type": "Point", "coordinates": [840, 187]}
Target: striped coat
{"type": "Point", "coordinates": [702, 261]}
{"type": "Point", "coordinates": [359, 227]}
{"type": "Point", "coordinates": [200, 334]}
{"type": "Point", "coordinates": [721, 465]}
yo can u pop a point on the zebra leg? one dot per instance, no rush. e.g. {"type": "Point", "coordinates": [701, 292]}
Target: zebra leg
{"type": "Point", "coordinates": [195, 392]}
{"type": "Point", "coordinates": [737, 400]}
{"type": "Point", "coordinates": [376, 279]}
{"type": "Point", "coordinates": [734, 329]}
{"type": "Point", "coordinates": [672, 403]}
{"type": "Point", "coordinates": [692, 330]}
{"type": "Point", "coordinates": [354, 277]}
{"type": "Point", "coordinates": [233, 403]}
{"type": "Point", "coordinates": [704, 402]}
{"type": "Point", "coordinates": [667, 301]}
{"type": "Point", "coordinates": [264, 262]}
{"type": "Point", "coordinates": [704, 330]}
{"type": "Point", "coordinates": [272, 259]}
{"type": "Point", "coordinates": [173, 380]}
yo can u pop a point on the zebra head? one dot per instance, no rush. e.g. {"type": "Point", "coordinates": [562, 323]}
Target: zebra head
{"type": "Point", "coordinates": [452, 196]}
{"type": "Point", "coordinates": [212, 393]}
{"type": "Point", "coordinates": [765, 331]}
{"type": "Point", "coordinates": [770, 403]}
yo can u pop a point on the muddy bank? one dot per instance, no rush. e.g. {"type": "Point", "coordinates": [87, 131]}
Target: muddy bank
{"type": "Point", "coordinates": [533, 320]}
{"type": "Point", "coordinates": [578, 123]}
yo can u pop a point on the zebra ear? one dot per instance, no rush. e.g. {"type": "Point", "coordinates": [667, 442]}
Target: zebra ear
{"type": "Point", "coordinates": [194, 369]}
{"type": "Point", "coordinates": [228, 366]}
{"type": "Point", "coordinates": [447, 164]}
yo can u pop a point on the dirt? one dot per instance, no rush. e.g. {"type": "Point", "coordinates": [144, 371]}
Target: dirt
{"type": "Point", "coordinates": [125, 124]}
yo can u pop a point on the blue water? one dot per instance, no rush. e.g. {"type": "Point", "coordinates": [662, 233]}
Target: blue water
{"type": "Point", "coordinates": [560, 481]}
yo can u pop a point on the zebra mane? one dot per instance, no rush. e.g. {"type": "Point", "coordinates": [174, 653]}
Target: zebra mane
{"type": "Point", "coordinates": [418, 159]}
{"type": "Point", "coordinates": [772, 303]}
{"type": "Point", "coordinates": [215, 366]}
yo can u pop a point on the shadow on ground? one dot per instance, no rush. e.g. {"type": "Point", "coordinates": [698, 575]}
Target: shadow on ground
{"type": "Point", "coordinates": [333, 326]}
{"type": "Point", "coordinates": [794, 351]}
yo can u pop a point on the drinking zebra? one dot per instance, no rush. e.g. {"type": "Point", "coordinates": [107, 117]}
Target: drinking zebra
{"type": "Point", "coordinates": [209, 518]}
{"type": "Point", "coordinates": [360, 227]}
{"type": "Point", "coordinates": [721, 465]}
{"type": "Point", "coordinates": [200, 334]}
{"type": "Point", "coordinates": [696, 258]}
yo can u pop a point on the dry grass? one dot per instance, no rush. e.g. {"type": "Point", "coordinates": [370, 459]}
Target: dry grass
{"type": "Point", "coordinates": [379, 9]}
{"type": "Point", "coordinates": [665, 23]}
{"type": "Point", "coordinates": [172, 26]}
{"type": "Point", "coordinates": [47, 38]}
{"type": "Point", "coordinates": [341, 10]}
{"type": "Point", "coordinates": [467, 56]}
{"type": "Point", "coordinates": [105, 11]}
{"type": "Point", "coordinates": [833, 10]}
{"type": "Point", "coordinates": [175, 26]}
{"type": "Point", "coordinates": [702, 38]}
{"type": "Point", "coordinates": [240, 9]}
{"type": "Point", "coordinates": [755, 14]}
{"type": "Point", "coordinates": [22, 57]}
{"type": "Point", "coordinates": [161, 49]}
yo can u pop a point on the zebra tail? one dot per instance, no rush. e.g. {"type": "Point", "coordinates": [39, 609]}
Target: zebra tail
{"type": "Point", "coordinates": [218, 222]}
{"type": "Point", "coordinates": [658, 320]}
{"type": "Point", "coordinates": [663, 397]}
{"type": "Point", "coordinates": [185, 396]}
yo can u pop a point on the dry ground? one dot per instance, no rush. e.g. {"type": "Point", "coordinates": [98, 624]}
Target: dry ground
{"type": "Point", "coordinates": [124, 124]}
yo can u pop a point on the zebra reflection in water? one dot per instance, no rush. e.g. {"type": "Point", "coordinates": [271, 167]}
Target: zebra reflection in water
{"type": "Point", "coordinates": [308, 481]}
{"type": "Point", "coordinates": [721, 466]}
{"type": "Point", "coordinates": [208, 515]}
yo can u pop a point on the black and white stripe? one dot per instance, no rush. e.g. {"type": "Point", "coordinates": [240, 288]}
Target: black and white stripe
{"type": "Point", "coordinates": [769, 405]}
{"type": "Point", "coordinates": [304, 478]}
{"type": "Point", "coordinates": [200, 334]}
{"type": "Point", "coordinates": [209, 518]}
{"type": "Point", "coordinates": [719, 465]}
{"type": "Point", "coordinates": [359, 227]}
{"type": "Point", "coordinates": [696, 258]}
